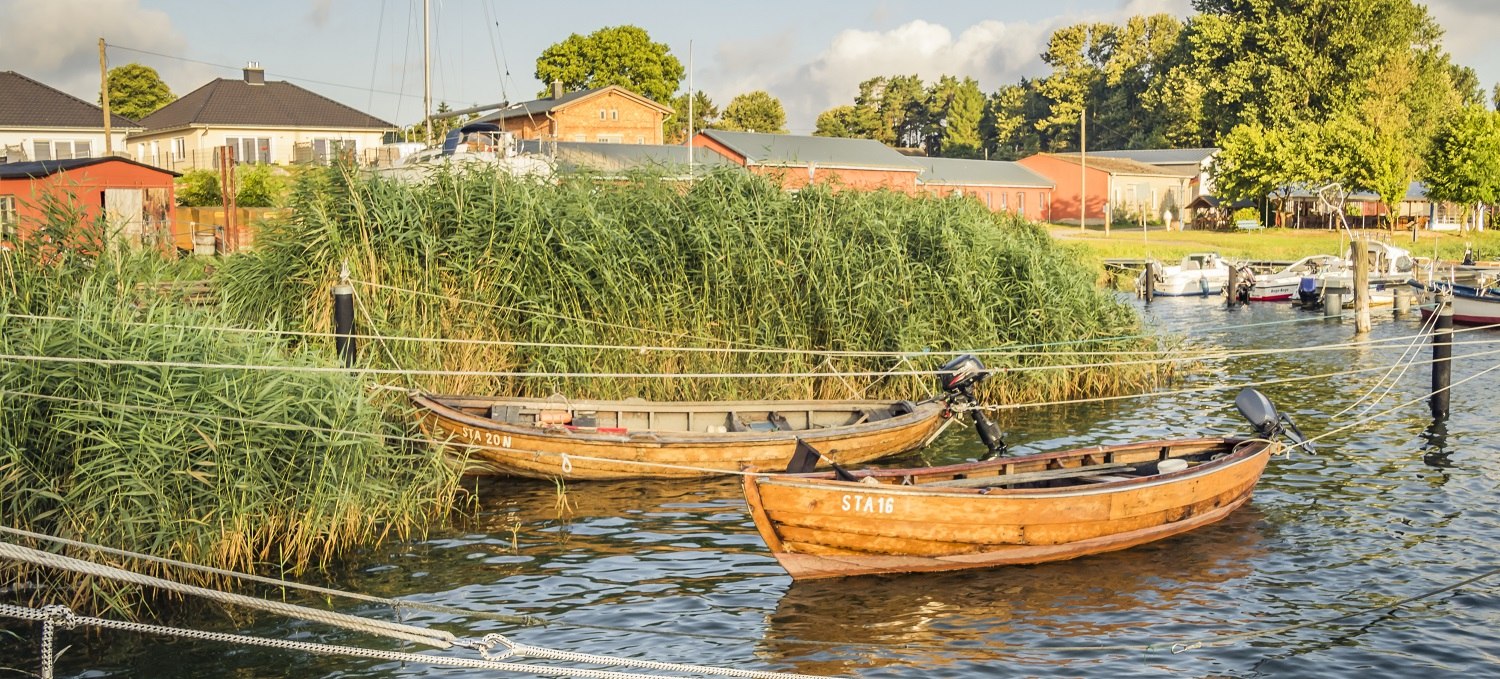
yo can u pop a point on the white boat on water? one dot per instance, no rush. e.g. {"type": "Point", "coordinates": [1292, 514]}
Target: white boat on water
{"type": "Point", "coordinates": [473, 145]}
{"type": "Point", "coordinates": [1390, 267]}
{"type": "Point", "coordinates": [1198, 275]}
{"type": "Point", "coordinates": [1282, 285]}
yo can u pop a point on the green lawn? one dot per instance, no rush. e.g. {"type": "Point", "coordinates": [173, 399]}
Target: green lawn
{"type": "Point", "coordinates": [1266, 244]}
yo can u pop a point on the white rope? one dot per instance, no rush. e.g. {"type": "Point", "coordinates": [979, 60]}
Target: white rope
{"type": "Point", "coordinates": [68, 621]}
{"type": "Point", "coordinates": [1390, 382]}
{"type": "Point", "coordinates": [437, 638]}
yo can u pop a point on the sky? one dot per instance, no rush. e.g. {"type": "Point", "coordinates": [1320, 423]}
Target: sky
{"type": "Point", "coordinates": [368, 53]}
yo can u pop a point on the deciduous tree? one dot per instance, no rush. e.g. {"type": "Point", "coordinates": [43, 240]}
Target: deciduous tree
{"type": "Point", "coordinates": [756, 111]}
{"type": "Point", "coordinates": [136, 91]}
{"type": "Point", "coordinates": [704, 114]}
{"type": "Point", "coordinates": [616, 55]}
{"type": "Point", "coordinates": [1463, 165]}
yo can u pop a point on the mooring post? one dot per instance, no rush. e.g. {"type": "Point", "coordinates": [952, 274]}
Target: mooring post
{"type": "Point", "coordinates": [1362, 287]}
{"type": "Point", "coordinates": [1150, 286]}
{"type": "Point", "coordinates": [1230, 285]}
{"type": "Point", "coordinates": [1403, 300]}
{"type": "Point", "coordinates": [343, 323]}
{"type": "Point", "coordinates": [1442, 355]}
{"type": "Point", "coordinates": [1333, 304]}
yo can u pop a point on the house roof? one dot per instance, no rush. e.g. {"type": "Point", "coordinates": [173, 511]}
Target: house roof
{"type": "Point", "coordinates": [789, 149]}
{"type": "Point", "coordinates": [541, 107]}
{"type": "Point", "coordinates": [957, 171]}
{"type": "Point", "coordinates": [572, 156]}
{"type": "Point", "coordinates": [1161, 156]}
{"type": "Point", "coordinates": [37, 169]}
{"type": "Point", "coordinates": [1116, 165]}
{"type": "Point", "coordinates": [27, 103]}
{"type": "Point", "coordinates": [275, 103]}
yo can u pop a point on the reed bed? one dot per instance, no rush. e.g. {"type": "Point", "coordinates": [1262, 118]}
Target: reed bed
{"type": "Point", "coordinates": [730, 261]}
{"type": "Point", "coordinates": [235, 469]}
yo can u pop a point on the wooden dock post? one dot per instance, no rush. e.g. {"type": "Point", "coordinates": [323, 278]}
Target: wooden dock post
{"type": "Point", "coordinates": [1150, 286]}
{"type": "Point", "coordinates": [1362, 287]}
{"type": "Point", "coordinates": [1230, 285]}
{"type": "Point", "coordinates": [343, 324]}
{"type": "Point", "coordinates": [1442, 356]}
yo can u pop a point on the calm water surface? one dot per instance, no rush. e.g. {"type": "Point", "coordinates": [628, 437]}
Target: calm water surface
{"type": "Point", "coordinates": [1389, 509]}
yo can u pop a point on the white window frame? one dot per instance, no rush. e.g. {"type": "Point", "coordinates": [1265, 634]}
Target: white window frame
{"type": "Point", "coordinates": [239, 147]}
{"type": "Point", "coordinates": [10, 219]}
{"type": "Point", "coordinates": [1021, 203]}
{"type": "Point", "coordinates": [179, 148]}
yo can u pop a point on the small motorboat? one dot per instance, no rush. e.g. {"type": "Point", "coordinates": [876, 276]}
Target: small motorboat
{"type": "Point", "coordinates": [1197, 275]}
{"type": "Point", "coordinates": [1011, 510]}
{"type": "Point", "coordinates": [1472, 304]}
{"type": "Point", "coordinates": [1283, 284]}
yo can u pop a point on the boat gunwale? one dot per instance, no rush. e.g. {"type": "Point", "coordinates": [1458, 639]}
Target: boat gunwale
{"type": "Point", "coordinates": [923, 411]}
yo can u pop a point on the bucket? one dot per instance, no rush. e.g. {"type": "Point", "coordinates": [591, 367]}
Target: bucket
{"type": "Point", "coordinates": [203, 244]}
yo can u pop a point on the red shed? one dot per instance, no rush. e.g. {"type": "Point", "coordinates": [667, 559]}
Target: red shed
{"type": "Point", "coordinates": [137, 201]}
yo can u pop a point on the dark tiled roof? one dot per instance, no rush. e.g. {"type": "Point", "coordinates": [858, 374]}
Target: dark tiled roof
{"type": "Point", "coordinates": [797, 150]}
{"type": "Point", "coordinates": [27, 103]}
{"type": "Point", "coordinates": [1161, 156]}
{"type": "Point", "coordinates": [623, 157]}
{"type": "Point", "coordinates": [1117, 165]}
{"type": "Point", "coordinates": [958, 171]}
{"type": "Point", "coordinates": [276, 103]}
{"type": "Point", "coordinates": [46, 168]}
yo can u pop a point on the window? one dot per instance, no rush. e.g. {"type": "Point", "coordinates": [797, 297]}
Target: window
{"type": "Point", "coordinates": [250, 149]}
{"type": "Point", "coordinates": [614, 114]}
{"type": "Point", "coordinates": [601, 114]}
{"type": "Point", "coordinates": [1003, 201]}
{"type": "Point", "coordinates": [179, 147]}
{"type": "Point", "coordinates": [611, 139]}
{"type": "Point", "coordinates": [580, 137]}
{"type": "Point", "coordinates": [8, 217]}
{"type": "Point", "coordinates": [1021, 202]}
{"type": "Point", "coordinates": [41, 150]}
{"type": "Point", "coordinates": [640, 140]}
{"type": "Point", "coordinates": [325, 150]}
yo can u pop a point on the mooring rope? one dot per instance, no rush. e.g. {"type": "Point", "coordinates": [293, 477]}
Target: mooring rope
{"type": "Point", "coordinates": [1390, 382]}
{"type": "Point", "coordinates": [430, 637]}
{"type": "Point", "coordinates": [59, 616]}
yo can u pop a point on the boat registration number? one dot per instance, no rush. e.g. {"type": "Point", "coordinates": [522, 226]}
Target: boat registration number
{"type": "Point", "coordinates": [484, 437]}
{"type": "Point", "coordinates": [865, 504]}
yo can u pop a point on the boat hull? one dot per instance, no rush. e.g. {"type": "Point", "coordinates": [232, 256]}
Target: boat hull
{"type": "Point", "coordinates": [492, 447]}
{"type": "Point", "coordinates": [821, 527]}
{"type": "Point", "coordinates": [1471, 306]}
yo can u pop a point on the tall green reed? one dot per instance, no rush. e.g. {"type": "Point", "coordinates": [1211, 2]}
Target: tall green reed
{"type": "Point", "coordinates": [237, 469]}
{"type": "Point", "coordinates": [728, 261]}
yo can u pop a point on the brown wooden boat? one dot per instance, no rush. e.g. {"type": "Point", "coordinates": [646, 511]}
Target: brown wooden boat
{"type": "Point", "coordinates": [1018, 510]}
{"type": "Point", "coordinates": [585, 439]}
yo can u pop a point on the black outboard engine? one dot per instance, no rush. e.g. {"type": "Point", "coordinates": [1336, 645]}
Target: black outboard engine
{"type": "Point", "coordinates": [1261, 413]}
{"type": "Point", "coordinates": [1244, 283]}
{"type": "Point", "coordinates": [957, 378]}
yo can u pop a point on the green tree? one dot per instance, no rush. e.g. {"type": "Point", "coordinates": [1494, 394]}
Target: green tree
{"type": "Point", "coordinates": [704, 114]}
{"type": "Point", "coordinates": [756, 111]}
{"type": "Point", "coordinates": [840, 121]}
{"type": "Point", "coordinates": [260, 186]}
{"type": "Point", "coordinates": [960, 126]}
{"type": "Point", "coordinates": [1463, 165]}
{"type": "Point", "coordinates": [1256, 162]}
{"type": "Point", "coordinates": [896, 105]}
{"type": "Point", "coordinates": [136, 91]}
{"type": "Point", "coordinates": [615, 55]}
{"type": "Point", "coordinates": [1008, 125]}
{"type": "Point", "coordinates": [1076, 55]}
{"type": "Point", "coordinates": [198, 188]}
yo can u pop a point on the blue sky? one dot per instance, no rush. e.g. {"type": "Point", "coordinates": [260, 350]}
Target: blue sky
{"type": "Point", "coordinates": [364, 52]}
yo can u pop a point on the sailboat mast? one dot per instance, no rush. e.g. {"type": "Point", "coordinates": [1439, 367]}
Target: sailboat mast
{"type": "Point", "coordinates": [690, 109]}
{"type": "Point", "coordinates": [427, 68]}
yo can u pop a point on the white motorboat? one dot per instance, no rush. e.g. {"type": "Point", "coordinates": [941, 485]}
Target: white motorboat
{"type": "Point", "coordinates": [1198, 275]}
{"type": "Point", "coordinates": [475, 144]}
{"type": "Point", "coordinates": [1281, 285]}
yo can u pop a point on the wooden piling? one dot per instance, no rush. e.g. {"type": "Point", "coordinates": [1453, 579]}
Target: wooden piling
{"type": "Point", "coordinates": [1150, 286]}
{"type": "Point", "coordinates": [1362, 287]}
{"type": "Point", "coordinates": [343, 324]}
{"type": "Point", "coordinates": [1230, 285]}
{"type": "Point", "coordinates": [1442, 356]}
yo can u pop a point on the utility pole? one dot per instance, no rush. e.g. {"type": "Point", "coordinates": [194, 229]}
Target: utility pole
{"type": "Point", "coordinates": [690, 110]}
{"type": "Point", "coordinates": [1083, 168]}
{"type": "Point", "coordinates": [109, 142]}
{"type": "Point", "coordinates": [427, 68]}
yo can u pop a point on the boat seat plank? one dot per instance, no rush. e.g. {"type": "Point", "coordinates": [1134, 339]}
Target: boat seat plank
{"type": "Point", "coordinates": [1027, 477]}
{"type": "Point", "coordinates": [1108, 478]}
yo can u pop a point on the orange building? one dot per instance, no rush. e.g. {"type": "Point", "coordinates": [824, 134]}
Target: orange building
{"type": "Point", "coordinates": [797, 161]}
{"type": "Point", "coordinates": [1002, 186]}
{"type": "Point", "coordinates": [609, 115]}
{"type": "Point", "coordinates": [137, 201]}
{"type": "Point", "coordinates": [1113, 185]}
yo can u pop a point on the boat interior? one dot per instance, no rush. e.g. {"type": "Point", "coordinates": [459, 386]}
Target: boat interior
{"type": "Point", "coordinates": [713, 418]}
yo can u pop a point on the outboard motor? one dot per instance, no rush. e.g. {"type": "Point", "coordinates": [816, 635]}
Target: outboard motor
{"type": "Point", "coordinates": [957, 378]}
{"type": "Point", "coordinates": [1261, 413]}
{"type": "Point", "coordinates": [1244, 283]}
{"type": "Point", "coordinates": [1307, 293]}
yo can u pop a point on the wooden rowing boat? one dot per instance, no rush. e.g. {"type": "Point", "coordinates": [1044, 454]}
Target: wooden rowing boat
{"type": "Point", "coordinates": [1019, 510]}
{"type": "Point", "coordinates": [587, 440]}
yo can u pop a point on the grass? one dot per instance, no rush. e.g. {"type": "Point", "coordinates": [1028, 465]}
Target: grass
{"type": "Point", "coordinates": [1267, 244]}
{"type": "Point", "coordinates": [732, 261]}
{"type": "Point", "coordinates": [225, 468]}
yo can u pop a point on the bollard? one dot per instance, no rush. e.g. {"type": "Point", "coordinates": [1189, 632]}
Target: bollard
{"type": "Point", "coordinates": [343, 324]}
{"type": "Point", "coordinates": [1333, 304]}
{"type": "Point", "coordinates": [1403, 301]}
{"type": "Point", "coordinates": [1442, 356]}
{"type": "Point", "coordinates": [1150, 280]}
{"type": "Point", "coordinates": [1230, 285]}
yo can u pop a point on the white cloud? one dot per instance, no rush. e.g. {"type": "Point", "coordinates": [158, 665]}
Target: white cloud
{"type": "Point", "coordinates": [1469, 28]}
{"type": "Point", "coordinates": [56, 42]}
{"type": "Point", "coordinates": [992, 51]}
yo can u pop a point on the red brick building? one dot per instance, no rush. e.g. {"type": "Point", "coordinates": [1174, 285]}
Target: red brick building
{"type": "Point", "coordinates": [1001, 185]}
{"type": "Point", "coordinates": [797, 161]}
{"type": "Point", "coordinates": [608, 115]}
{"type": "Point", "coordinates": [1113, 185]}
{"type": "Point", "coordinates": [136, 201]}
